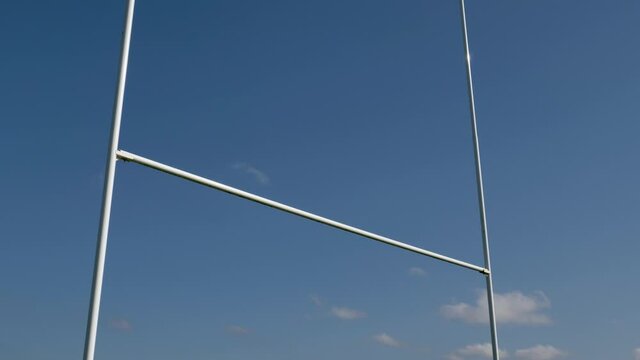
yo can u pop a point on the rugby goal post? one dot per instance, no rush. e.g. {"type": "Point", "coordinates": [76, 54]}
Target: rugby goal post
{"type": "Point", "coordinates": [114, 154]}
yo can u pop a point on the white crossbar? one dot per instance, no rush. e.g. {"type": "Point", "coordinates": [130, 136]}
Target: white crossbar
{"type": "Point", "coordinates": [127, 156]}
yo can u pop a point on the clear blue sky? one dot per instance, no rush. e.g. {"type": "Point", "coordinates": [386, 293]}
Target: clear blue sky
{"type": "Point", "coordinates": [356, 110]}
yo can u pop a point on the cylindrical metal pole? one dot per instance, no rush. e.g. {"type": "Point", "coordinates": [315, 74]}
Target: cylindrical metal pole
{"type": "Point", "coordinates": [103, 232]}
{"type": "Point", "coordinates": [480, 188]}
{"type": "Point", "coordinates": [127, 156]}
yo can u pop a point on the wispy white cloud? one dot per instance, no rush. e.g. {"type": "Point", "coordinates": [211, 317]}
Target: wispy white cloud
{"type": "Point", "coordinates": [237, 330]}
{"type": "Point", "coordinates": [386, 340]}
{"type": "Point", "coordinates": [416, 271]}
{"type": "Point", "coordinates": [259, 175]}
{"type": "Point", "coordinates": [540, 352]}
{"type": "Point", "coordinates": [121, 324]}
{"type": "Point", "coordinates": [316, 300]}
{"type": "Point", "coordinates": [476, 350]}
{"type": "Point", "coordinates": [346, 313]}
{"type": "Point", "coordinates": [511, 308]}
{"type": "Point", "coordinates": [636, 354]}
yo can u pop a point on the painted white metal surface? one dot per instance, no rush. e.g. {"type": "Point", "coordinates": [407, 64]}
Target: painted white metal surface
{"type": "Point", "coordinates": [127, 156]}
{"type": "Point", "coordinates": [107, 194]}
{"type": "Point", "coordinates": [114, 154]}
{"type": "Point", "coordinates": [480, 187]}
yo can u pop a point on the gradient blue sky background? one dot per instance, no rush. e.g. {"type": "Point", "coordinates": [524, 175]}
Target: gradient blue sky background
{"type": "Point", "coordinates": [356, 110]}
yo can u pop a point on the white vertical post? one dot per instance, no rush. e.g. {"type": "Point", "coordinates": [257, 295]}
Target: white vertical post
{"type": "Point", "coordinates": [103, 232]}
{"type": "Point", "coordinates": [481, 205]}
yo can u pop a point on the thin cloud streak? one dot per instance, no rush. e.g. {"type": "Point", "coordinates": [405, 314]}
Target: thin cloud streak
{"type": "Point", "coordinates": [416, 271]}
{"type": "Point", "coordinates": [259, 175]}
{"type": "Point", "coordinates": [237, 330]}
{"type": "Point", "coordinates": [316, 300]}
{"type": "Point", "coordinates": [540, 352]}
{"type": "Point", "coordinates": [386, 340]}
{"type": "Point", "coordinates": [121, 324]}
{"type": "Point", "coordinates": [347, 314]}
{"type": "Point", "coordinates": [511, 308]}
{"type": "Point", "coordinates": [476, 350]}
